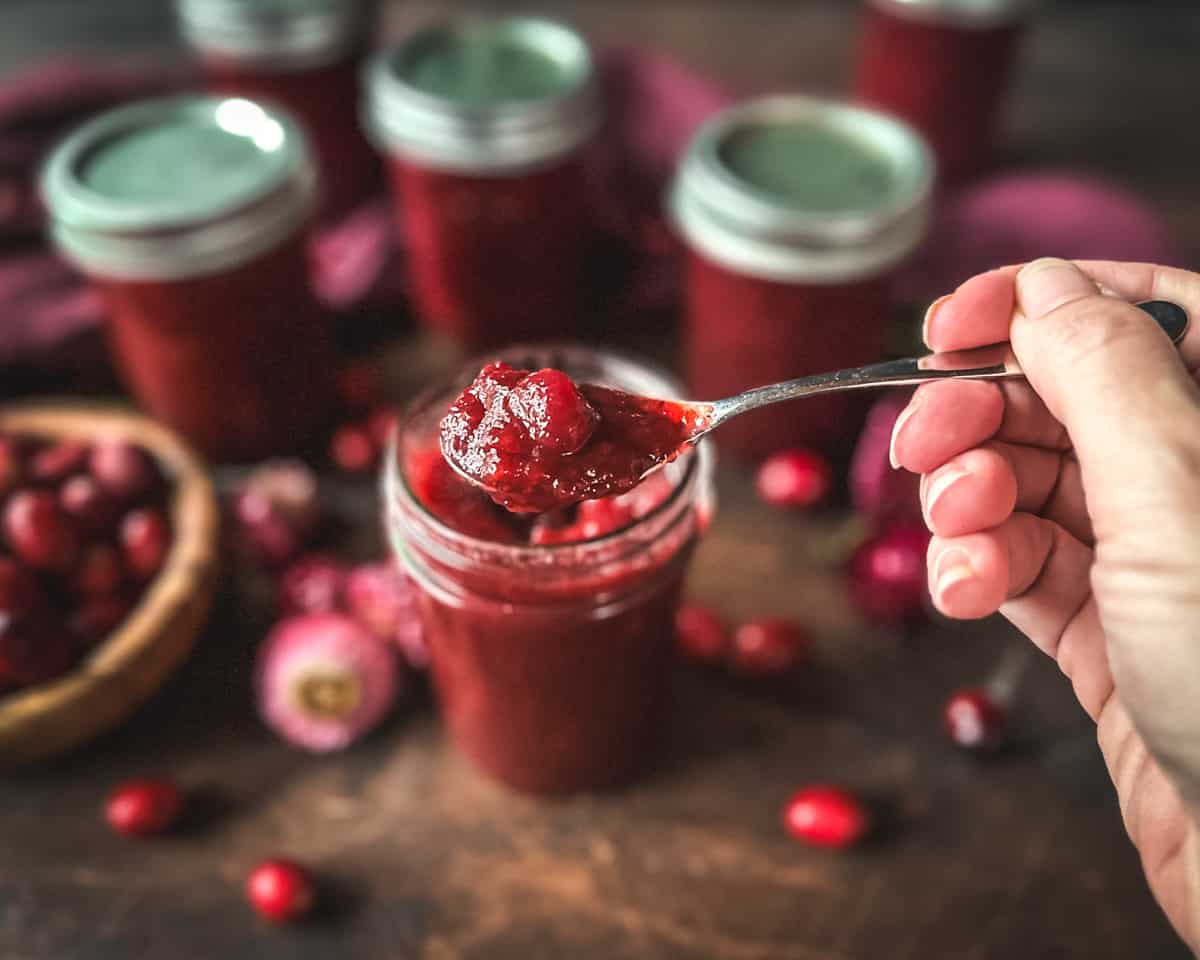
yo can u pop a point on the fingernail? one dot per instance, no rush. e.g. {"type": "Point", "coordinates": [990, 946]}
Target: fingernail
{"type": "Point", "coordinates": [938, 485]}
{"type": "Point", "coordinates": [1045, 285]}
{"type": "Point", "coordinates": [902, 419]}
{"type": "Point", "coordinates": [933, 308]}
{"type": "Point", "coordinates": [953, 566]}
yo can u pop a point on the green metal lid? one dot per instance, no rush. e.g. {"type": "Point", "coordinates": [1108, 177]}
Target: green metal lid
{"type": "Point", "coordinates": [803, 189]}
{"type": "Point", "coordinates": [961, 13]}
{"type": "Point", "coordinates": [178, 186]}
{"type": "Point", "coordinates": [275, 34]}
{"type": "Point", "coordinates": [484, 95]}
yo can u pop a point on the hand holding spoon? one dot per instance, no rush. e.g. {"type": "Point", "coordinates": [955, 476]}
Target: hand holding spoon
{"type": "Point", "coordinates": [538, 441]}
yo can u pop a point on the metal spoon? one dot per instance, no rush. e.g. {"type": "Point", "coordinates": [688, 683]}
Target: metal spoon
{"type": "Point", "coordinates": [995, 362]}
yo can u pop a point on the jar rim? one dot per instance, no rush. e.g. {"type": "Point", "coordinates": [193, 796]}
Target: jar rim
{"type": "Point", "coordinates": [273, 34]}
{"type": "Point", "coordinates": [186, 234]}
{"type": "Point", "coordinates": [695, 467]}
{"type": "Point", "coordinates": [961, 13]}
{"type": "Point", "coordinates": [402, 117]}
{"type": "Point", "coordinates": [749, 229]}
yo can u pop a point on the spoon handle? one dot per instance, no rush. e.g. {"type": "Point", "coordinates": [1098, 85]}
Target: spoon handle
{"type": "Point", "coordinates": [995, 362]}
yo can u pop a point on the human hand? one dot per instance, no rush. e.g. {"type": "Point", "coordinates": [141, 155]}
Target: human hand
{"type": "Point", "coordinates": [1070, 503]}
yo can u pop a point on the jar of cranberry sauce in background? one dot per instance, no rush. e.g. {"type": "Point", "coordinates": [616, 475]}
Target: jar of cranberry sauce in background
{"type": "Point", "coordinates": [942, 66]}
{"type": "Point", "coordinates": [795, 212]}
{"type": "Point", "coordinates": [550, 661]}
{"type": "Point", "coordinates": [189, 214]}
{"type": "Point", "coordinates": [485, 124]}
{"type": "Point", "coordinates": [305, 56]}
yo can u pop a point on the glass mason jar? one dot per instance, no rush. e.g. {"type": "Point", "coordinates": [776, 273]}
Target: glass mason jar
{"type": "Point", "coordinates": [942, 66]}
{"type": "Point", "coordinates": [189, 214]}
{"type": "Point", "coordinates": [795, 211]}
{"type": "Point", "coordinates": [484, 124]}
{"type": "Point", "coordinates": [305, 56]}
{"type": "Point", "coordinates": [550, 662]}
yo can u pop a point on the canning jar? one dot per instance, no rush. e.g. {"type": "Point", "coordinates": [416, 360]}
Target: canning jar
{"type": "Point", "coordinates": [550, 661]}
{"type": "Point", "coordinates": [484, 124]}
{"type": "Point", "coordinates": [794, 212]}
{"type": "Point", "coordinates": [304, 55]}
{"type": "Point", "coordinates": [942, 66]}
{"type": "Point", "coordinates": [189, 214]}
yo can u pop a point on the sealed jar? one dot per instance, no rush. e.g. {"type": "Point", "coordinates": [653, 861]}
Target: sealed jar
{"type": "Point", "coordinates": [943, 66]}
{"type": "Point", "coordinates": [795, 212]}
{"type": "Point", "coordinates": [484, 123]}
{"type": "Point", "coordinates": [550, 662]}
{"type": "Point", "coordinates": [304, 55]}
{"type": "Point", "coordinates": [189, 214]}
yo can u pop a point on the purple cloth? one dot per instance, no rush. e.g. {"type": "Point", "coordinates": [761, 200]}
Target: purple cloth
{"type": "Point", "coordinates": [654, 105]}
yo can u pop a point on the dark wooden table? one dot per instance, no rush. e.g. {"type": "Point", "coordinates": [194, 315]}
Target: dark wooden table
{"type": "Point", "coordinates": [1023, 855]}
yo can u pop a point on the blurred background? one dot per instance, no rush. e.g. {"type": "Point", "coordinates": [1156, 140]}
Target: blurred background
{"type": "Point", "coordinates": [156, 682]}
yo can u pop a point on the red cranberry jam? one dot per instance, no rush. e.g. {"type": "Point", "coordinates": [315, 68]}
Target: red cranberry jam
{"type": "Point", "coordinates": [537, 441]}
{"type": "Point", "coordinates": [550, 634]}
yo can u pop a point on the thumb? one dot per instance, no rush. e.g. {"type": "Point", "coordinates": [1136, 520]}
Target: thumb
{"type": "Point", "coordinates": [1108, 373]}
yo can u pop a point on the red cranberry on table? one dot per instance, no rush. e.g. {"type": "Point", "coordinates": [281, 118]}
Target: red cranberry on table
{"type": "Point", "coordinates": [40, 534]}
{"type": "Point", "coordinates": [312, 584]}
{"type": "Point", "coordinates": [58, 461]}
{"type": "Point", "coordinates": [123, 470]}
{"type": "Point", "coordinates": [280, 890]}
{"type": "Point", "coordinates": [144, 807]}
{"type": "Point", "coordinates": [826, 816]}
{"type": "Point", "coordinates": [145, 540]}
{"type": "Point", "coordinates": [87, 504]}
{"type": "Point", "coordinates": [794, 479]}
{"type": "Point", "coordinates": [352, 448]}
{"type": "Point", "coordinates": [768, 647]}
{"type": "Point", "coordinates": [700, 634]}
{"type": "Point", "coordinates": [99, 572]}
{"type": "Point", "coordinates": [973, 719]}
{"type": "Point", "coordinates": [264, 531]}
{"type": "Point", "coordinates": [888, 581]}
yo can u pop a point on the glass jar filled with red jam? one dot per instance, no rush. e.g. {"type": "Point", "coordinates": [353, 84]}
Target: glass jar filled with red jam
{"type": "Point", "coordinates": [942, 66]}
{"type": "Point", "coordinates": [485, 123]}
{"type": "Point", "coordinates": [189, 214]}
{"type": "Point", "coordinates": [550, 634]}
{"type": "Point", "coordinates": [305, 56]}
{"type": "Point", "coordinates": [795, 212]}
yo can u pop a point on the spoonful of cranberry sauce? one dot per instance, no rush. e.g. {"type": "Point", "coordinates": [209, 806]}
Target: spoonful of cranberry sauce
{"type": "Point", "coordinates": [536, 441]}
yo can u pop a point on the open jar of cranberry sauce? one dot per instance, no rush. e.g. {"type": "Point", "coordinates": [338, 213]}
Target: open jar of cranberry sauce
{"type": "Point", "coordinates": [189, 214]}
{"type": "Point", "coordinates": [305, 56]}
{"type": "Point", "coordinates": [485, 124]}
{"type": "Point", "coordinates": [794, 212]}
{"type": "Point", "coordinates": [942, 66]}
{"type": "Point", "coordinates": [550, 635]}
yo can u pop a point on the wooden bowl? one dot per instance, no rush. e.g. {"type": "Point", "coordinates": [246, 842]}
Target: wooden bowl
{"type": "Point", "coordinates": [120, 673]}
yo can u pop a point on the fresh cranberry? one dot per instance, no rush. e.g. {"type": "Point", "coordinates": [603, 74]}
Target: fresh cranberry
{"type": "Point", "coordinates": [382, 424]}
{"type": "Point", "coordinates": [145, 540]}
{"type": "Point", "coordinates": [312, 584]}
{"type": "Point", "coordinates": [381, 598]}
{"type": "Point", "coordinates": [99, 571]}
{"type": "Point", "coordinates": [34, 650]}
{"type": "Point", "coordinates": [288, 489]}
{"type": "Point", "coordinates": [83, 500]}
{"type": "Point", "coordinates": [352, 449]}
{"type": "Point", "coordinates": [358, 386]}
{"type": "Point", "coordinates": [143, 808]}
{"type": "Point", "coordinates": [39, 533]}
{"type": "Point", "coordinates": [124, 470]}
{"type": "Point", "coordinates": [96, 617]}
{"type": "Point", "coordinates": [19, 592]}
{"type": "Point", "coordinates": [280, 890]}
{"type": "Point", "coordinates": [766, 648]}
{"type": "Point", "coordinates": [887, 575]}
{"type": "Point", "coordinates": [57, 462]}
{"type": "Point", "coordinates": [825, 816]}
{"type": "Point", "coordinates": [972, 719]}
{"type": "Point", "coordinates": [701, 635]}
{"type": "Point", "coordinates": [553, 411]}
{"type": "Point", "coordinates": [266, 534]}
{"type": "Point", "coordinates": [794, 479]}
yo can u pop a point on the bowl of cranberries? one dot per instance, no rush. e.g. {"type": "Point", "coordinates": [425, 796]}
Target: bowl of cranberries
{"type": "Point", "coordinates": [108, 532]}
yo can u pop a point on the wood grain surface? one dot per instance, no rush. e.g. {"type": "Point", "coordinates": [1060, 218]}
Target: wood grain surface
{"type": "Point", "coordinates": [1020, 856]}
